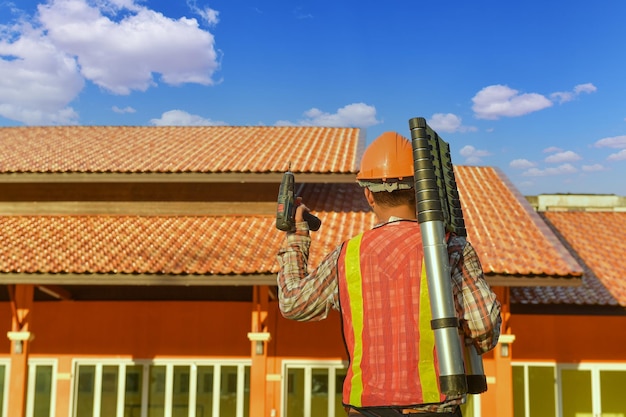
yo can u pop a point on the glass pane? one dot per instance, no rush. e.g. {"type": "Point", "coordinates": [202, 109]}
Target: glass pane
{"type": "Point", "coordinates": [295, 393]}
{"type": "Point", "coordinates": [108, 399]}
{"type": "Point", "coordinates": [576, 392]}
{"type": "Point", "coordinates": [612, 385]}
{"type": "Point", "coordinates": [340, 375]}
{"type": "Point", "coordinates": [519, 406]}
{"type": "Point", "coordinates": [541, 394]}
{"type": "Point", "coordinates": [228, 391]}
{"type": "Point", "coordinates": [133, 389]}
{"type": "Point", "coordinates": [204, 391]}
{"type": "Point", "coordinates": [43, 390]}
{"type": "Point", "coordinates": [2, 376]}
{"type": "Point", "coordinates": [246, 392]}
{"type": "Point", "coordinates": [156, 392]}
{"type": "Point", "coordinates": [319, 392]}
{"type": "Point", "coordinates": [85, 388]}
{"type": "Point", "coordinates": [180, 396]}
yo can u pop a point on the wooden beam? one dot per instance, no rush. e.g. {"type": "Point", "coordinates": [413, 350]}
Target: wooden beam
{"type": "Point", "coordinates": [259, 338]}
{"type": "Point", "coordinates": [55, 291]}
{"type": "Point", "coordinates": [48, 279]}
{"type": "Point", "coordinates": [20, 337]}
{"type": "Point", "coordinates": [533, 281]}
{"type": "Point", "coordinates": [180, 177]}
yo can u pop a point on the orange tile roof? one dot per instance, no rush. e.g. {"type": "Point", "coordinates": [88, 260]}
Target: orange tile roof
{"type": "Point", "coordinates": [141, 149]}
{"type": "Point", "coordinates": [243, 244]}
{"type": "Point", "coordinates": [137, 244]}
{"type": "Point", "coordinates": [597, 240]}
{"type": "Point", "coordinates": [509, 236]}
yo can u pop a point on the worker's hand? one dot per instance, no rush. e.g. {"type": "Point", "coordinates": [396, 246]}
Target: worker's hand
{"type": "Point", "coordinates": [300, 209]}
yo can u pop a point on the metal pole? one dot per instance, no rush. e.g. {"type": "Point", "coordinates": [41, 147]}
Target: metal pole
{"type": "Point", "coordinates": [430, 215]}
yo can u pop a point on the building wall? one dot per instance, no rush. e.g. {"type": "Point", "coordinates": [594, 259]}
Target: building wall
{"type": "Point", "coordinates": [68, 330]}
{"type": "Point", "coordinates": [569, 338]}
{"type": "Point", "coordinates": [566, 338]}
{"type": "Point", "coordinates": [169, 328]}
{"type": "Point", "coordinates": [176, 329]}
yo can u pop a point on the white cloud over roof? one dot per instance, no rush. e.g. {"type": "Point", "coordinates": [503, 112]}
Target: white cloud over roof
{"type": "Point", "coordinates": [118, 45]}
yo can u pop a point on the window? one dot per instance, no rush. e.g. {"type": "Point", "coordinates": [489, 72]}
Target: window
{"type": "Point", "coordinates": [4, 386]}
{"type": "Point", "coordinates": [313, 389]}
{"type": "Point", "coordinates": [41, 390]}
{"type": "Point", "coordinates": [109, 388]}
{"type": "Point", "coordinates": [569, 390]}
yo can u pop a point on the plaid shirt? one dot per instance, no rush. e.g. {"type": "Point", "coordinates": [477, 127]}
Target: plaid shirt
{"type": "Point", "coordinates": [305, 296]}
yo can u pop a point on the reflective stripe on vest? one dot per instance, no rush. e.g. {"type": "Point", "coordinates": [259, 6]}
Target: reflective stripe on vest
{"type": "Point", "coordinates": [381, 372]}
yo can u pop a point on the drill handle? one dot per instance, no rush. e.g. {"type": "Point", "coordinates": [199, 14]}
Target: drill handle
{"type": "Point", "coordinates": [313, 221]}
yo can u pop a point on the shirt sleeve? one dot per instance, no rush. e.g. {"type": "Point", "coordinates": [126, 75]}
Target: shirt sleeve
{"type": "Point", "coordinates": [476, 303]}
{"type": "Point", "coordinates": [306, 296]}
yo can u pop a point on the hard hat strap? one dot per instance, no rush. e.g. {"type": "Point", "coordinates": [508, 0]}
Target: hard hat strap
{"type": "Point", "coordinates": [378, 186]}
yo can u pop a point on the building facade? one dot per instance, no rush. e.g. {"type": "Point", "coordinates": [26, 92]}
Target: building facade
{"type": "Point", "coordinates": [137, 272]}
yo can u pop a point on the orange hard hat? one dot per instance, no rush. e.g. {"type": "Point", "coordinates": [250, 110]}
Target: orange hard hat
{"type": "Point", "coordinates": [389, 156]}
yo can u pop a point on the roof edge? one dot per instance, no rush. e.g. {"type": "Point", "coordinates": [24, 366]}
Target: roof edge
{"type": "Point", "coordinates": [172, 177]}
{"type": "Point", "coordinates": [500, 280]}
{"type": "Point", "coordinates": [575, 267]}
{"type": "Point", "coordinates": [137, 279]}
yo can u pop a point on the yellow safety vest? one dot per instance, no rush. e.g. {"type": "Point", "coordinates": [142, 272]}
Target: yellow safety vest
{"type": "Point", "coordinates": [386, 316]}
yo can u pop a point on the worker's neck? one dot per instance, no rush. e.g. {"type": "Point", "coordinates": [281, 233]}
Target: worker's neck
{"type": "Point", "coordinates": [403, 212]}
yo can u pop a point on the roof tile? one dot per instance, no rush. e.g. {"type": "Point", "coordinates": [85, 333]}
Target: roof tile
{"type": "Point", "coordinates": [142, 149]}
{"type": "Point", "coordinates": [509, 236]}
{"type": "Point", "coordinates": [239, 244]}
{"type": "Point", "coordinates": [595, 238]}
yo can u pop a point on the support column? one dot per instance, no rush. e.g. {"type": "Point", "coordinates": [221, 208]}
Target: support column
{"type": "Point", "coordinates": [20, 337]}
{"type": "Point", "coordinates": [503, 355]}
{"type": "Point", "coordinates": [259, 338]}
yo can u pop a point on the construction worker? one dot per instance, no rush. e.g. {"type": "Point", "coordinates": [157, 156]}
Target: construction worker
{"type": "Point", "coordinates": [376, 281]}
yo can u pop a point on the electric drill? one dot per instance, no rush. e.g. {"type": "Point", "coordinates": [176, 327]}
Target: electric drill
{"type": "Point", "coordinates": [286, 211]}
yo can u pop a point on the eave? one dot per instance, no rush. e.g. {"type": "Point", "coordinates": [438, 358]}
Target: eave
{"type": "Point", "coordinates": [138, 279]}
{"type": "Point", "coordinates": [533, 280]}
{"type": "Point", "coordinates": [172, 177]}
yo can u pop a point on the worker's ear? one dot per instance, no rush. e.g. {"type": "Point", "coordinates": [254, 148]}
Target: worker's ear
{"type": "Point", "coordinates": [369, 196]}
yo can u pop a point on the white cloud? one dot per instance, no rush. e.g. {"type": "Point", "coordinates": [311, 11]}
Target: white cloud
{"type": "Point", "coordinates": [552, 149]}
{"type": "Point", "coordinates": [352, 115]}
{"type": "Point", "coordinates": [497, 101]}
{"type": "Point", "coordinates": [448, 122]}
{"type": "Point", "coordinates": [121, 56]}
{"type": "Point", "coordinates": [119, 45]}
{"type": "Point", "coordinates": [521, 164]}
{"type": "Point", "coordinates": [612, 142]}
{"type": "Point", "coordinates": [619, 156]}
{"type": "Point", "coordinates": [473, 155]}
{"type": "Point", "coordinates": [585, 88]}
{"type": "Point", "coordinates": [126, 109]}
{"type": "Point", "coordinates": [560, 170]}
{"type": "Point", "coordinates": [37, 80]}
{"type": "Point", "coordinates": [567, 156]}
{"type": "Point", "coordinates": [182, 118]}
{"type": "Point", "coordinates": [565, 96]}
{"type": "Point", "coordinates": [209, 15]}
{"type": "Point", "coordinates": [593, 168]}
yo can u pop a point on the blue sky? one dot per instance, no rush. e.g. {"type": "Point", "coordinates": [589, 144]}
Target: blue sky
{"type": "Point", "coordinates": [536, 88]}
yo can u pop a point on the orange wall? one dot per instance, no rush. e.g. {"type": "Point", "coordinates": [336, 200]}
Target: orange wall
{"type": "Point", "coordinates": [569, 338]}
{"type": "Point", "coordinates": [169, 328]}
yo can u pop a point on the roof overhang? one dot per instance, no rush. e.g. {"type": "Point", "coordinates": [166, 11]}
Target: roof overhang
{"type": "Point", "coordinates": [138, 279]}
{"type": "Point", "coordinates": [533, 281]}
{"type": "Point", "coordinates": [172, 177]}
